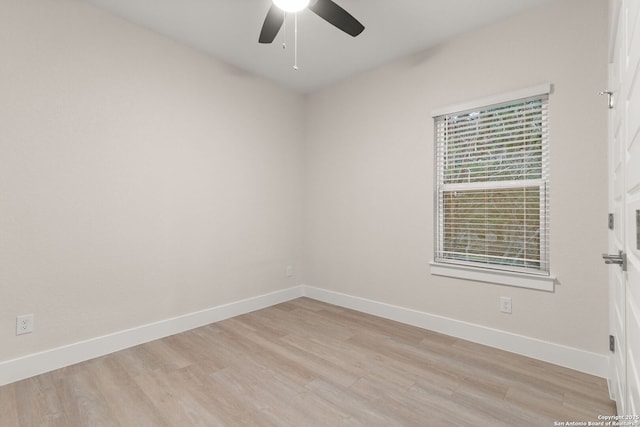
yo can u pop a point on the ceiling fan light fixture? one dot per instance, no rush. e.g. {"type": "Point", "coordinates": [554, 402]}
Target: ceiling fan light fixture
{"type": "Point", "coordinates": [291, 6]}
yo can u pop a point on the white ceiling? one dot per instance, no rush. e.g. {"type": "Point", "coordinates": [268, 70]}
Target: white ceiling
{"type": "Point", "coordinates": [229, 29]}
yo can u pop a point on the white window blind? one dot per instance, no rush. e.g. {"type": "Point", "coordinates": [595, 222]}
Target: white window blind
{"type": "Point", "coordinates": [492, 186]}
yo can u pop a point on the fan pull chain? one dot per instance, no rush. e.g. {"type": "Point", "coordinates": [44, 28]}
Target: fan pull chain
{"type": "Point", "coordinates": [284, 32]}
{"type": "Point", "coordinates": [295, 38]}
{"type": "Point", "coordinates": [295, 42]}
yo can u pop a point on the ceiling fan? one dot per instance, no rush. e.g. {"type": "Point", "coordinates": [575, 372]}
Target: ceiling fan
{"type": "Point", "coordinates": [326, 9]}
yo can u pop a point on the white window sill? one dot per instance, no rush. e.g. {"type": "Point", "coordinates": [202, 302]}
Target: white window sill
{"type": "Point", "coordinates": [509, 278]}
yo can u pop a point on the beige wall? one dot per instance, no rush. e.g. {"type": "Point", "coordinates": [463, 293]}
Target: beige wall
{"type": "Point", "coordinates": [369, 210]}
{"type": "Point", "coordinates": [139, 179]}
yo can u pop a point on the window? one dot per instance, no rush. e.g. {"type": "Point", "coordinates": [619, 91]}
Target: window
{"type": "Point", "coordinates": [492, 189]}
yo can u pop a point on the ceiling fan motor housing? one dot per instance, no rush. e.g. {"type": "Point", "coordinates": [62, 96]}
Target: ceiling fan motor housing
{"type": "Point", "coordinates": [291, 6]}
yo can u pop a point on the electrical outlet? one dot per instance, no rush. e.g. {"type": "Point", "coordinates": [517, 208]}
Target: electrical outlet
{"type": "Point", "coordinates": [24, 324]}
{"type": "Point", "coordinates": [290, 271]}
{"type": "Point", "coordinates": [505, 305]}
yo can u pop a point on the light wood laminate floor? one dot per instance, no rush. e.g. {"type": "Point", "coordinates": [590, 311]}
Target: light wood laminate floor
{"type": "Point", "coordinates": [306, 363]}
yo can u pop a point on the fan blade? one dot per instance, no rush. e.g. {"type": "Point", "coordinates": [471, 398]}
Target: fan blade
{"type": "Point", "coordinates": [337, 16]}
{"type": "Point", "coordinates": [272, 24]}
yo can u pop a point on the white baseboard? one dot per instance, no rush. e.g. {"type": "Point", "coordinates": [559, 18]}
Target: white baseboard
{"type": "Point", "coordinates": [579, 360]}
{"type": "Point", "coordinates": [39, 363]}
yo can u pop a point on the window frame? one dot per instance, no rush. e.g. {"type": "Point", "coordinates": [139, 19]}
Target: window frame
{"type": "Point", "coordinates": [540, 280]}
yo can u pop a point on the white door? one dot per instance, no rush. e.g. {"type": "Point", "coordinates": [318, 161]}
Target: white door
{"type": "Point", "coordinates": [624, 202]}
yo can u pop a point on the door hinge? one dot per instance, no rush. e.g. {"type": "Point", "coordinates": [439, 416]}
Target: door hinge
{"type": "Point", "coordinates": [638, 229]}
{"type": "Point", "coordinates": [610, 221]}
{"type": "Point", "coordinates": [612, 344]}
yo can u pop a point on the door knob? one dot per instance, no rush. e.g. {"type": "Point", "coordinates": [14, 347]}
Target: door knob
{"type": "Point", "coordinates": [619, 259]}
{"type": "Point", "coordinates": [609, 98]}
